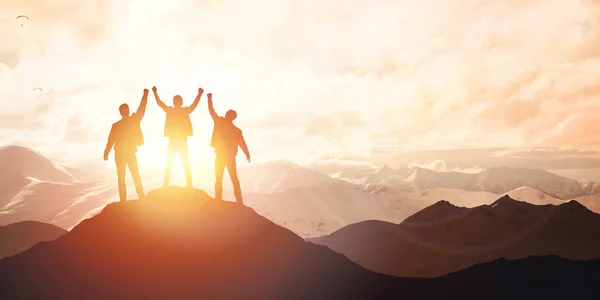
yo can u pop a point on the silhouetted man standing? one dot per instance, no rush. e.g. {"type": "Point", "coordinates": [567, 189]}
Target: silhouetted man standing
{"type": "Point", "coordinates": [126, 135]}
{"type": "Point", "coordinates": [178, 127]}
{"type": "Point", "coordinates": [225, 139]}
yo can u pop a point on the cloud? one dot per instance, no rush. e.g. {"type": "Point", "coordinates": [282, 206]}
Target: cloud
{"type": "Point", "coordinates": [9, 58]}
{"type": "Point", "coordinates": [312, 78]}
{"type": "Point", "coordinates": [29, 115]}
{"type": "Point", "coordinates": [77, 130]}
{"type": "Point", "coordinates": [334, 125]}
{"type": "Point", "coordinates": [344, 163]}
{"type": "Point", "coordinates": [441, 166]}
{"type": "Point", "coordinates": [436, 165]}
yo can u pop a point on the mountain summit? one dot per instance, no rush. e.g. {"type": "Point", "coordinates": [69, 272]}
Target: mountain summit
{"type": "Point", "coordinates": [180, 243]}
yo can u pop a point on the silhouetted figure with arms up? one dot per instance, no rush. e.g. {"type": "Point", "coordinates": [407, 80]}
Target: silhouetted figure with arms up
{"type": "Point", "coordinates": [226, 138]}
{"type": "Point", "coordinates": [126, 135]}
{"type": "Point", "coordinates": [178, 127]}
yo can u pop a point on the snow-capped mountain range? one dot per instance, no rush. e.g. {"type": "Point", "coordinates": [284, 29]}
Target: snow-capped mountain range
{"type": "Point", "coordinates": [310, 201]}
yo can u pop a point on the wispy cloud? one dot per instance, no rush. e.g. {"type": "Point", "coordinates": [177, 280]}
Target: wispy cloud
{"type": "Point", "coordinates": [308, 78]}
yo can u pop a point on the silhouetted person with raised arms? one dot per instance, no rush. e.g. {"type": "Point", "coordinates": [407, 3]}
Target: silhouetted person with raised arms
{"type": "Point", "coordinates": [226, 138]}
{"type": "Point", "coordinates": [178, 126]}
{"type": "Point", "coordinates": [126, 135]}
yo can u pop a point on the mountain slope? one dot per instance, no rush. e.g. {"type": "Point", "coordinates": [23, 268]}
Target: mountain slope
{"type": "Point", "coordinates": [20, 166]}
{"type": "Point", "coordinates": [282, 175]}
{"type": "Point", "coordinates": [61, 204]}
{"type": "Point", "coordinates": [25, 162]}
{"type": "Point", "coordinates": [315, 211]}
{"type": "Point", "coordinates": [18, 237]}
{"type": "Point", "coordinates": [181, 244]}
{"type": "Point", "coordinates": [455, 196]}
{"type": "Point", "coordinates": [533, 196]}
{"type": "Point", "coordinates": [591, 202]}
{"type": "Point", "coordinates": [544, 277]}
{"type": "Point", "coordinates": [443, 238]}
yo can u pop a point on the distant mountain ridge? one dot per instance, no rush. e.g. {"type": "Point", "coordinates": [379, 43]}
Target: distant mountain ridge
{"type": "Point", "coordinates": [20, 166]}
{"type": "Point", "coordinates": [32, 187]}
{"type": "Point", "coordinates": [500, 180]}
{"type": "Point", "coordinates": [302, 199]}
{"type": "Point", "coordinates": [278, 176]}
{"type": "Point", "coordinates": [443, 238]}
{"type": "Point", "coordinates": [18, 237]}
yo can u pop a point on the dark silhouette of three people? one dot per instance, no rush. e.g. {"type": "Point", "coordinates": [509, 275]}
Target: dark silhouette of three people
{"type": "Point", "coordinates": [126, 135]}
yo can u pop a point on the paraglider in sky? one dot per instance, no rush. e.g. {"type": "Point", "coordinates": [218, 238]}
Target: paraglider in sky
{"type": "Point", "coordinates": [37, 91]}
{"type": "Point", "coordinates": [22, 18]}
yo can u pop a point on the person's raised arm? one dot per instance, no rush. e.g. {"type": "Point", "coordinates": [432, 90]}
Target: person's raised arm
{"type": "Point", "coordinates": [197, 100]}
{"type": "Point", "coordinates": [142, 108]}
{"type": "Point", "coordinates": [158, 101]}
{"type": "Point", "coordinates": [110, 143]}
{"type": "Point", "coordinates": [211, 109]}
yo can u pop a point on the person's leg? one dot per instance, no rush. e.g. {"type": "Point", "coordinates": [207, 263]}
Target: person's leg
{"type": "Point", "coordinates": [171, 154]}
{"type": "Point", "coordinates": [121, 170]}
{"type": "Point", "coordinates": [232, 169]}
{"type": "Point", "coordinates": [135, 174]}
{"type": "Point", "coordinates": [219, 168]}
{"type": "Point", "coordinates": [183, 154]}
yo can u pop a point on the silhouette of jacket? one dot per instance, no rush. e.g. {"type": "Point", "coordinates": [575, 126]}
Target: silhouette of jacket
{"type": "Point", "coordinates": [178, 127]}
{"type": "Point", "coordinates": [127, 133]}
{"type": "Point", "coordinates": [125, 136]}
{"type": "Point", "coordinates": [226, 137]}
{"type": "Point", "coordinates": [178, 122]}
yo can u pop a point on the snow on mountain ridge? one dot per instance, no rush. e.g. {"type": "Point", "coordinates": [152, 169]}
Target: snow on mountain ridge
{"type": "Point", "coordinates": [499, 180]}
{"type": "Point", "coordinates": [26, 162]}
{"type": "Point", "coordinates": [281, 176]}
{"type": "Point", "coordinates": [503, 179]}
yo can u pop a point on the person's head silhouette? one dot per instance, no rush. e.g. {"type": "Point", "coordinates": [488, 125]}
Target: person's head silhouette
{"type": "Point", "coordinates": [230, 115]}
{"type": "Point", "coordinates": [124, 110]}
{"type": "Point", "coordinates": [177, 101]}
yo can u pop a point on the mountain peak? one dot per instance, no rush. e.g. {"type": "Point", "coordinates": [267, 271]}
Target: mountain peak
{"type": "Point", "coordinates": [573, 206]}
{"type": "Point", "coordinates": [508, 205]}
{"type": "Point", "coordinates": [180, 241]}
{"type": "Point", "coordinates": [26, 162]}
{"type": "Point", "coordinates": [503, 199]}
{"type": "Point", "coordinates": [438, 212]}
{"type": "Point", "coordinates": [20, 236]}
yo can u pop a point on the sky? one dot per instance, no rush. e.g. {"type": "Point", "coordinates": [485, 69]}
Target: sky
{"type": "Point", "coordinates": [310, 78]}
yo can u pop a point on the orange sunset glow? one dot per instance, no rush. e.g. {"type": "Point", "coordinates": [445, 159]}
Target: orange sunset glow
{"type": "Point", "coordinates": [299, 149]}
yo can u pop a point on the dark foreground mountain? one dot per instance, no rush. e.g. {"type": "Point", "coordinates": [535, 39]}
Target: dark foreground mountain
{"type": "Point", "coordinates": [181, 244]}
{"type": "Point", "coordinates": [444, 238]}
{"type": "Point", "coordinates": [18, 237]}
